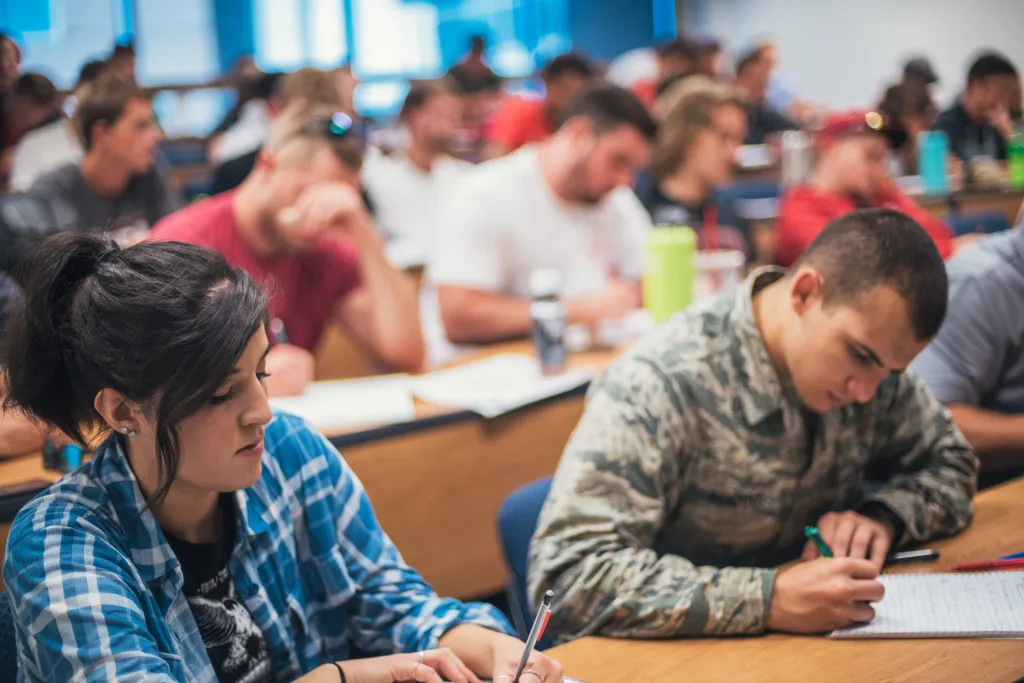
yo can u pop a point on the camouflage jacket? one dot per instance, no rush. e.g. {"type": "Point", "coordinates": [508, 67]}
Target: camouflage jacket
{"type": "Point", "coordinates": [691, 472]}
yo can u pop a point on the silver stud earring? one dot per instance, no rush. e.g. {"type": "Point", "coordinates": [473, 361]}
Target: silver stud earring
{"type": "Point", "coordinates": [125, 430]}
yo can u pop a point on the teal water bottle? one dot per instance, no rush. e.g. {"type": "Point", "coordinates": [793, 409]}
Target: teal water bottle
{"type": "Point", "coordinates": [932, 154]}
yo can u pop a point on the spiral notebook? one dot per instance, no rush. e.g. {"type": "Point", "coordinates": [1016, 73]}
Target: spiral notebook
{"type": "Point", "coordinates": [981, 605]}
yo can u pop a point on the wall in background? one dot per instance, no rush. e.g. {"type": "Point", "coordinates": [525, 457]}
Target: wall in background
{"type": "Point", "coordinates": [843, 53]}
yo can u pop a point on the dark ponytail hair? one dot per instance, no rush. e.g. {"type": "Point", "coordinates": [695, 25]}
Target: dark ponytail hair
{"type": "Point", "coordinates": [163, 323]}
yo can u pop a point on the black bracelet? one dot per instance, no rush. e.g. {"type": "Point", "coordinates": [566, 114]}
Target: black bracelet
{"type": "Point", "coordinates": [341, 672]}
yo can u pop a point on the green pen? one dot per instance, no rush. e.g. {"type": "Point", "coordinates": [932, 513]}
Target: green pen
{"type": "Point", "coordinates": [814, 535]}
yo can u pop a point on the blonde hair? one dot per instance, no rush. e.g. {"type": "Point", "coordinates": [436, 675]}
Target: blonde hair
{"type": "Point", "coordinates": [293, 136]}
{"type": "Point", "coordinates": [317, 88]}
{"type": "Point", "coordinates": [687, 110]}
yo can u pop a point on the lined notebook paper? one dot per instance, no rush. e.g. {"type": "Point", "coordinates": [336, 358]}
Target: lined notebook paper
{"type": "Point", "coordinates": [982, 605]}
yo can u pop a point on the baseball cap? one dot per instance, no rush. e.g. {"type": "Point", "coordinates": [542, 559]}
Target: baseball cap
{"type": "Point", "coordinates": [841, 124]}
{"type": "Point", "coordinates": [921, 69]}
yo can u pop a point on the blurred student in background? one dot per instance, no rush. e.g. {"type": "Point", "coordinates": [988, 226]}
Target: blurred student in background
{"type": "Point", "coordinates": [752, 85]}
{"type": "Point", "coordinates": [48, 140]}
{"type": "Point", "coordinates": [979, 123]}
{"type": "Point", "coordinates": [314, 87]}
{"type": "Point", "coordinates": [87, 75]}
{"type": "Point", "coordinates": [245, 126]}
{"type": "Point", "coordinates": [910, 111]}
{"type": "Point", "coordinates": [406, 188]}
{"type": "Point", "coordinates": [974, 365]}
{"type": "Point", "coordinates": [564, 204]}
{"type": "Point", "coordinates": [122, 60]}
{"type": "Point", "coordinates": [678, 59]}
{"type": "Point", "coordinates": [852, 173]}
{"type": "Point", "coordinates": [520, 121]}
{"type": "Point", "coordinates": [115, 189]}
{"type": "Point", "coordinates": [299, 224]}
{"type": "Point", "coordinates": [695, 154]}
{"type": "Point", "coordinates": [10, 69]}
{"type": "Point", "coordinates": [472, 75]}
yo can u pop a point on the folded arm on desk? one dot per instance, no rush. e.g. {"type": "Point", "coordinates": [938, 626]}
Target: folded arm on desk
{"type": "Point", "coordinates": [594, 544]}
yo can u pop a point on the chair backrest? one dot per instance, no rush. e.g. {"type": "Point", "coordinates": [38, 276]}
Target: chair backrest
{"type": "Point", "coordinates": [8, 647]}
{"type": "Point", "coordinates": [517, 520]}
{"type": "Point", "coordinates": [987, 222]}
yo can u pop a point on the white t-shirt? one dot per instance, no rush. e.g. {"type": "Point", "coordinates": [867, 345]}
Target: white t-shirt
{"type": "Point", "coordinates": [247, 134]}
{"type": "Point", "coordinates": [42, 150]}
{"type": "Point", "coordinates": [406, 199]}
{"type": "Point", "coordinates": [502, 222]}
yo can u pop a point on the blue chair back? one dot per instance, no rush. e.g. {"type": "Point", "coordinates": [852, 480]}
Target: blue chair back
{"type": "Point", "coordinates": [8, 646]}
{"type": "Point", "coordinates": [517, 520]}
{"type": "Point", "coordinates": [987, 222]}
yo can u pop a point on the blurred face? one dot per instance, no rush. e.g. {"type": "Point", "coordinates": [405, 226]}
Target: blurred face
{"type": "Point", "coordinates": [605, 162]}
{"type": "Point", "coordinates": [674, 65]}
{"type": "Point", "coordinates": [713, 152]}
{"type": "Point", "coordinates": [10, 63]}
{"type": "Point", "coordinates": [994, 92]}
{"type": "Point", "coordinates": [563, 90]}
{"type": "Point", "coordinates": [222, 443]}
{"type": "Point", "coordinates": [754, 82]}
{"type": "Point", "coordinates": [286, 176]}
{"type": "Point", "coordinates": [859, 162]}
{"type": "Point", "coordinates": [437, 121]}
{"type": "Point", "coordinates": [131, 140]}
{"type": "Point", "coordinates": [839, 354]}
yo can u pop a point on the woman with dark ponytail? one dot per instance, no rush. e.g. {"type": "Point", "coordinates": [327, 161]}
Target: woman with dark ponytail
{"type": "Point", "coordinates": [207, 538]}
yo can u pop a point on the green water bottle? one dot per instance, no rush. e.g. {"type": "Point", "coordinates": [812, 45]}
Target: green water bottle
{"type": "Point", "coordinates": [1015, 162]}
{"type": "Point", "coordinates": [668, 270]}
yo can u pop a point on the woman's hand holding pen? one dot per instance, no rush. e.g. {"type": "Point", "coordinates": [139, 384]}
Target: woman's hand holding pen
{"type": "Point", "coordinates": [539, 668]}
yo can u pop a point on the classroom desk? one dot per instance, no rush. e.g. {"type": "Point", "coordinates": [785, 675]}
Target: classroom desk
{"type": "Point", "coordinates": [1000, 200]}
{"type": "Point", "coordinates": [780, 658]}
{"type": "Point", "coordinates": [436, 482]}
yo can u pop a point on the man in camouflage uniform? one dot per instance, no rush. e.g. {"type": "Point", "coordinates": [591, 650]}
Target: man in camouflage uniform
{"type": "Point", "coordinates": [706, 449]}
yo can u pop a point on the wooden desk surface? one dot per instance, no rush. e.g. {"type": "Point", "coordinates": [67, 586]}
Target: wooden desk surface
{"type": "Point", "coordinates": [436, 483]}
{"type": "Point", "coordinates": [996, 530]}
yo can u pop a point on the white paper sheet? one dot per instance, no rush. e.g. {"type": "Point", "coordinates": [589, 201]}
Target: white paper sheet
{"type": "Point", "coordinates": [983, 605]}
{"type": "Point", "coordinates": [496, 385]}
{"type": "Point", "coordinates": [344, 404]}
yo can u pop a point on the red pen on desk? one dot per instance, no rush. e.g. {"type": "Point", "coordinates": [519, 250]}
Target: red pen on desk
{"type": "Point", "coordinates": [994, 565]}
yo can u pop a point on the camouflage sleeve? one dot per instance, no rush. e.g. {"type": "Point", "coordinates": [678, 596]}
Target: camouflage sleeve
{"type": "Point", "coordinates": [594, 544]}
{"type": "Point", "coordinates": [931, 471]}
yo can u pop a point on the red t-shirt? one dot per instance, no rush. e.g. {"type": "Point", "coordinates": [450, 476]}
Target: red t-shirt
{"type": "Point", "coordinates": [303, 289]}
{"type": "Point", "coordinates": [646, 92]}
{"type": "Point", "coordinates": [518, 122]}
{"type": "Point", "coordinates": [806, 210]}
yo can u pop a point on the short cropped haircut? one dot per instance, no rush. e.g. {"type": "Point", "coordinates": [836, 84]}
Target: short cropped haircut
{"type": "Point", "coordinates": [569, 64]}
{"type": "Point", "coordinates": [880, 247]}
{"type": "Point", "coordinates": [37, 89]}
{"type": "Point", "coordinates": [106, 101]}
{"type": "Point", "coordinates": [609, 106]}
{"type": "Point", "coordinates": [990, 64]}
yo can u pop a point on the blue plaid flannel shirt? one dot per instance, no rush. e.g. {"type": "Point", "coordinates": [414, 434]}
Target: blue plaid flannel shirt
{"type": "Point", "coordinates": [97, 591]}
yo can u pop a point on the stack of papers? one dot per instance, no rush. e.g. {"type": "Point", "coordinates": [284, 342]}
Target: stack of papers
{"type": "Point", "coordinates": [496, 385]}
{"type": "Point", "coordinates": [345, 404]}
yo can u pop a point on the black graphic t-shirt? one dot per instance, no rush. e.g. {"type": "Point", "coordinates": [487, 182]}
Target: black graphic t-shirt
{"type": "Point", "coordinates": [233, 641]}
